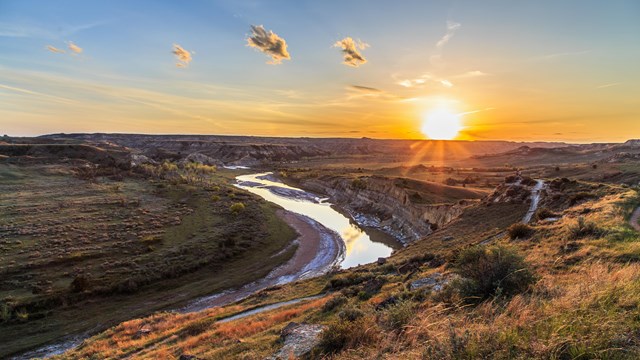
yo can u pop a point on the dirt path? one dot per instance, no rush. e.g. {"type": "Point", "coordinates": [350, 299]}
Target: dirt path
{"type": "Point", "coordinates": [634, 219]}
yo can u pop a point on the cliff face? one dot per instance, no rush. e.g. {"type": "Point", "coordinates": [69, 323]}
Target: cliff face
{"type": "Point", "coordinates": [379, 202]}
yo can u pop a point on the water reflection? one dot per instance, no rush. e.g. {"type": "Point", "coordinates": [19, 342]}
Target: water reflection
{"type": "Point", "coordinates": [360, 249]}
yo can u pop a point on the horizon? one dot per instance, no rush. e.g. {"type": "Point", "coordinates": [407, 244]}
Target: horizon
{"type": "Point", "coordinates": [327, 138]}
{"type": "Point", "coordinates": [456, 70]}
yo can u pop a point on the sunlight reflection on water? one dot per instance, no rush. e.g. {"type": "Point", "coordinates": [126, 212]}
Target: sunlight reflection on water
{"type": "Point", "coordinates": [360, 249]}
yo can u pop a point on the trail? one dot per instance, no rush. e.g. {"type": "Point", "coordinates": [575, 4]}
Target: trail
{"type": "Point", "coordinates": [633, 221]}
{"type": "Point", "coordinates": [535, 199]}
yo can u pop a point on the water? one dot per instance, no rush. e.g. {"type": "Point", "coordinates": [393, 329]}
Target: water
{"type": "Point", "coordinates": [359, 246]}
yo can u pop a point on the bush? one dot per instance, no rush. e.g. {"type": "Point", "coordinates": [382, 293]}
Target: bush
{"type": "Point", "coordinates": [398, 315]}
{"type": "Point", "coordinates": [492, 271]}
{"type": "Point", "coordinates": [579, 197]}
{"type": "Point", "coordinates": [359, 184]}
{"type": "Point", "coordinates": [583, 229]}
{"type": "Point", "coordinates": [519, 231]}
{"type": "Point", "coordinates": [341, 335]}
{"type": "Point", "coordinates": [544, 213]}
{"type": "Point", "coordinates": [237, 208]}
{"type": "Point", "coordinates": [80, 283]}
{"type": "Point", "coordinates": [350, 314]}
{"type": "Point", "coordinates": [334, 302]}
{"type": "Point", "coordinates": [351, 279]}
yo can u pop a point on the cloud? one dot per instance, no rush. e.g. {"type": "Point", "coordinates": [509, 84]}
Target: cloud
{"type": "Point", "coordinates": [452, 27]}
{"type": "Point", "coordinates": [183, 56]}
{"type": "Point", "coordinates": [446, 83]}
{"type": "Point", "coordinates": [350, 50]}
{"type": "Point", "coordinates": [269, 43]}
{"type": "Point", "coordinates": [75, 48]}
{"type": "Point", "coordinates": [54, 49]}
{"type": "Point", "coordinates": [365, 89]}
{"type": "Point", "coordinates": [470, 74]}
{"type": "Point", "coordinates": [607, 85]}
{"type": "Point", "coordinates": [421, 81]}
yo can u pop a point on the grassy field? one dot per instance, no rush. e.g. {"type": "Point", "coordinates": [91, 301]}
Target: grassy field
{"type": "Point", "coordinates": [580, 299]}
{"type": "Point", "coordinates": [81, 255]}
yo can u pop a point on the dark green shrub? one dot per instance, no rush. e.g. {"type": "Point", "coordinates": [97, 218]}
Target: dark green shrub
{"type": "Point", "coordinates": [341, 335]}
{"type": "Point", "coordinates": [80, 283]}
{"type": "Point", "coordinates": [583, 229]}
{"type": "Point", "coordinates": [398, 315]}
{"type": "Point", "coordinates": [519, 231]}
{"type": "Point", "coordinates": [350, 314]}
{"type": "Point", "coordinates": [492, 271]}
{"type": "Point", "coordinates": [334, 302]}
{"type": "Point", "coordinates": [350, 279]}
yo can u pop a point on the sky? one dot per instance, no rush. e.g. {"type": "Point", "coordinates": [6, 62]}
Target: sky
{"type": "Point", "coordinates": [512, 70]}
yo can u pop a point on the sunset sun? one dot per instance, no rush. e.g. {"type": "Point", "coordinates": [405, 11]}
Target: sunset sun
{"type": "Point", "coordinates": [441, 124]}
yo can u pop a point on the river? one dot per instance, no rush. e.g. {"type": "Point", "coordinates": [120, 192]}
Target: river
{"type": "Point", "coordinates": [362, 246]}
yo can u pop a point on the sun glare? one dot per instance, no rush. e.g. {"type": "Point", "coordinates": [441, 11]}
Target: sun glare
{"type": "Point", "coordinates": [441, 124]}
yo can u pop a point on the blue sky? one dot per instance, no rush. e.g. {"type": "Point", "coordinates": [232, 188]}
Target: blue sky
{"type": "Point", "coordinates": [569, 67]}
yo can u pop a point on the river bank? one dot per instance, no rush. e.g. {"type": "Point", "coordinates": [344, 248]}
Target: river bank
{"type": "Point", "coordinates": [318, 251]}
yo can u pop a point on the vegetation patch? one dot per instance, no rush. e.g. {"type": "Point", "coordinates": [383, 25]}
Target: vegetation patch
{"type": "Point", "coordinates": [492, 271]}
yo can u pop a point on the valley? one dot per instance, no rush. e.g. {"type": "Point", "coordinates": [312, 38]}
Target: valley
{"type": "Point", "coordinates": [104, 236]}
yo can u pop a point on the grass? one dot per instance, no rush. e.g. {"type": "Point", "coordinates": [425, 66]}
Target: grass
{"type": "Point", "coordinates": [148, 242]}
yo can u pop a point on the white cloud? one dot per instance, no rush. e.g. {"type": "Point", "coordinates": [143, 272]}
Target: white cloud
{"type": "Point", "coordinates": [351, 51]}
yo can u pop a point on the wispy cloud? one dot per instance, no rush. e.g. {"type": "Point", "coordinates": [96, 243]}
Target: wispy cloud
{"type": "Point", "coordinates": [422, 80]}
{"type": "Point", "coordinates": [365, 89]}
{"type": "Point", "coordinates": [34, 31]}
{"type": "Point", "coordinates": [351, 51]}
{"type": "Point", "coordinates": [268, 43]}
{"type": "Point", "coordinates": [183, 56]}
{"type": "Point", "coordinates": [607, 85]}
{"type": "Point", "coordinates": [452, 27]}
{"type": "Point", "coordinates": [470, 74]}
{"type": "Point", "coordinates": [75, 48]}
{"type": "Point", "coordinates": [54, 49]}
{"type": "Point", "coordinates": [446, 83]}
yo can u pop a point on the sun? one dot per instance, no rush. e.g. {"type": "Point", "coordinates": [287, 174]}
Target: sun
{"type": "Point", "coordinates": [441, 124]}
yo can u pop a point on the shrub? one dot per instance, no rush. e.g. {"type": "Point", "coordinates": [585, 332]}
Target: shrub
{"type": "Point", "coordinates": [351, 279]}
{"type": "Point", "coordinates": [451, 182]}
{"type": "Point", "coordinates": [237, 208]}
{"type": "Point", "coordinates": [583, 229]}
{"type": "Point", "coordinates": [492, 271]}
{"type": "Point", "coordinates": [359, 184]}
{"type": "Point", "coordinates": [544, 213]}
{"type": "Point", "coordinates": [519, 231]}
{"type": "Point", "coordinates": [334, 302]}
{"type": "Point", "coordinates": [350, 314]}
{"type": "Point", "coordinates": [80, 283]}
{"type": "Point", "coordinates": [398, 315]}
{"type": "Point", "coordinates": [578, 197]}
{"type": "Point", "coordinates": [341, 335]}
{"type": "Point", "coordinates": [22, 315]}
{"type": "Point", "coordinates": [528, 181]}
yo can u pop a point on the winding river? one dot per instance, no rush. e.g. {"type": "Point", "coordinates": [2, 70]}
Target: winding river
{"type": "Point", "coordinates": [362, 246]}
